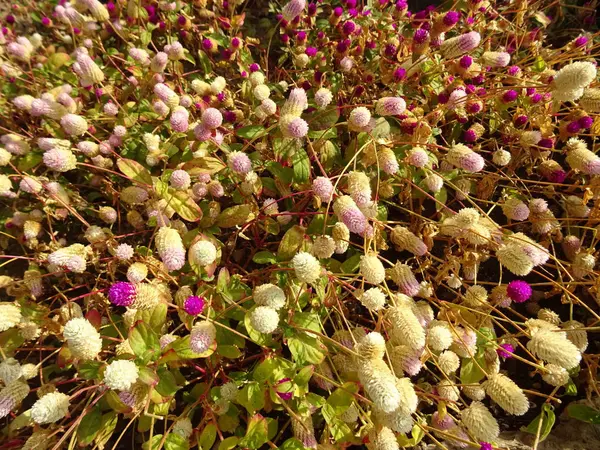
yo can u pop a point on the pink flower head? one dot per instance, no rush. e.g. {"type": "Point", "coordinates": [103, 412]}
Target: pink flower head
{"type": "Point", "coordinates": [179, 119]}
{"type": "Point", "coordinates": [519, 291]}
{"type": "Point", "coordinates": [293, 9]}
{"type": "Point", "coordinates": [121, 293]}
{"type": "Point", "coordinates": [505, 351]}
{"type": "Point", "coordinates": [297, 128]}
{"type": "Point", "coordinates": [323, 188]}
{"type": "Point", "coordinates": [194, 305]}
{"type": "Point", "coordinates": [239, 163]}
{"type": "Point", "coordinates": [469, 41]}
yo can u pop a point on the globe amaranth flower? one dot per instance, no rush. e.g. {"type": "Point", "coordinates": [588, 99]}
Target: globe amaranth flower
{"type": "Point", "coordinates": [323, 188]}
{"type": "Point", "coordinates": [459, 45]}
{"type": "Point", "coordinates": [293, 9]}
{"type": "Point", "coordinates": [390, 106]}
{"type": "Point", "coordinates": [569, 82]}
{"type": "Point", "coordinates": [582, 159]}
{"type": "Point", "coordinates": [194, 305]}
{"type": "Point", "coordinates": [212, 118]}
{"type": "Point", "coordinates": [554, 347]}
{"type": "Point", "coordinates": [264, 319]}
{"type": "Point", "coordinates": [73, 124]}
{"type": "Point", "coordinates": [71, 258]}
{"type": "Point", "coordinates": [306, 267]}
{"type": "Point", "coordinates": [180, 179]}
{"type": "Point", "coordinates": [11, 395]}
{"type": "Point", "coordinates": [505, 351]}
{"type": "Point", "coordinates": [170, 248]}
{"type": "Point", "coordinates": [404, 239]}
{"type": "Point", "coordinates": [293, 127]}
{"type": "Point", "coordinates": [296, 103]}
{"type": "Point", "coordinates": [373, 299]}
{"type": "Point", "coordinates": [121, 374]}
{"type": "Point", "coordinates": [239, 162]}
{"type": "Point", "coordinates": [60, 160]}
{"type": "Point", "coordinates": [403, 276]}
{"type": "Point", "coordinates": [359, 117]}
{"type": "Point", "coordinates": [269, 295]}
{"type": "Point", "coordinates": [372, 269]}
{"type": "Point", "coordinates": [51, 408]}
{"type": "Point", "coordinates": [82, 338]}
{"type": "Point", "coordinates": [124, 252]}
{"type": "Point", "coordinates": [202, 336]}
{"type": "Point", "coordinates": [203, 253]}
{"type": "Point", "coordinates": [348, 212]}
{"type": "Point", "coordinates": [519, 291]}
{"type": "Point", "coordinates": [323, 97]}
{"type": "Point", "coordinates": [179, 119]}
{"type": "Point", "coordinates": [463, 157]}
{"type": "Point", "coordinates": [506, 394]}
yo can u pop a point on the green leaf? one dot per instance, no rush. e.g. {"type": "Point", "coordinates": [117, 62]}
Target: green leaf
{"type": "Point", "coordinates": [285, 174]}
{"type": "Point", "coordinates": [176, 442]}
{"type": "Point", "coordinates": [570, 387]}
{"type": "Point", "coordinates": [309, 320]}
{"type": "Point", "coordinates": [264, 257]}
{"type": "Point", "coordinates": [470, 373]}
{"type": "Point", "coordinates": [251, 397]}
{"type": "Point", "coordinates": [134, 170]}
{"type": "Point", "coordinates": [29, 161]}
{"type": "Point", "coordinates": [292, 444]}
{"type": "Point", "coordinates": [57, 60]}
{"type": "Point", "coordinates": [204, 62]}
{"type": "Point", "coordinates": [234, 216]}
{"type": "Point", "coordinates": [304, 376]}
{"type": "Point", "coordinates": [207, 437]}
{"type": "Point", "coordinates": [338, 429]}
{"type": "Point", "coordinates": [323, 119]}
{"type": "Point", "coordinates": [144, 342]}
{"type": "Point", "coordinates": [301, 165]}
{"type": "Point", "coordinates": [229, 351]}
{"type": "Point", "coordinates": [167, 386]}
{"type": "Point", "coordinates": [306, 349]}
{"type": "Point", "coordinates": [251, 131]}
{"type": "Point", "coordinates": [89, 369]}
{"type": "Point", "coordinates": [330, 133]}
{"type": "Point", "coordinates": [148, 376]}
{"type": "Point", "coordinates": [256, 433]}
{"type": "Point", "coordinates": [352, 264]}
{"type": "Point", "coordinates": [89, 427]}
{"type": "Point", "coordinates": [180, 201]}
{"type": "Point", "coordinates": [417, 435]}
{"type": "Point", "coordinates": [273, 369]}
{"type": "Point", "coordinates": [291, 243]}
{"type": "Point", "coordinates": [108, 423]}
{"type": "Point", "coordinates": [441, 196]}
{"type": "Point", "coordinates": [341, 399]}
{"type": "Point", "coordinates": [539, 65]}
{"type": "Point", "coordinates": [547, 417]}
{"type": "Point", "coordinates": [229, 443]}
{"type": "Point", "coordinates": [584, 413]}
{"type": "Point", "coordinates": [113, 400]}
{"type": "Point", "coordinates": [145, 37]}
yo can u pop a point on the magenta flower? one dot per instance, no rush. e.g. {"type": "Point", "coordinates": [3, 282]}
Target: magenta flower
{"type": "Point", "coordinates": [519, 291]}
{"type": "Point", "coordinates": [505, 351]}
{"type": "Point", "coordinates": [194, 305]}
{"type": "Point", "coordinates": [121, 293]}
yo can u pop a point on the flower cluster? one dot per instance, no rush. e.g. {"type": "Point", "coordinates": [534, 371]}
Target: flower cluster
{"type": "Point", "coordinates": [373, 224]}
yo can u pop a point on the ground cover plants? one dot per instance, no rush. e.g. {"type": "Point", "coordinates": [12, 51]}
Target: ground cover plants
{"type": "Point", "coordinates": [228, 224]}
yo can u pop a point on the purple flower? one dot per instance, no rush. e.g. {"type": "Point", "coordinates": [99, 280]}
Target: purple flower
{"type": "Point", "coordinates": [465, 62]}
{"type": "Point", "coordinates": [311, 51]}
{"type": "Point", "coordinates": [558, 176]}
{"type": "Point", "coordinates": [536, 98]}
{"type": "Point", "coordinates": [301, 36]}
{"type": "Point", "coordinates": [312, 9]}
{"type": "Point", "coordinates": [519, 291]}
{"type": "Point", "coordinates": [581, 41]}
{"type": "Point", "coordinates": [585, 122]}
{"type": "Point", "coordinates": [509, 96]}
{"type": "Point", "coordinates": [207, 44]}
{"type": "Point", "coordinates": [521, 120]}
{"type": "Point", "coordinates": [401, 5]}
{"type": "Point", "coordinates": [470, 136]}
{"type": "Point", "coordinates": [546, 143]}
{"type": "Point", "coordinates": [194, 305]}
{"type": "Point", "coordinates": [121, 293]}
{"type": "Point", "coordinates": [338, 11]}
{"type": "Point", "coordinates": [10, 19]}
{"type": "Point", "coordinates": [421, 36]}
{"type": "Point", "coordinates": [181, 20]}
{"type": "Point", "coordinates": [505, 351]}
{"type": "Point", "coordinates": [515, 70]}
{"type": "Point", "coordinates": [451, 18]}
{"type": "Point", "coordinates": [254, 67]}
{"type": "Point", "coordinates": [399, 74]}
{"type": "Point", "coordinates": [573, 127]}
{"type": "Point", "coordinates": [45, 21]}
{"type": "Point", "coordinates": [349, 27]}
{"type": "Point", "coordinates": [486, 446]}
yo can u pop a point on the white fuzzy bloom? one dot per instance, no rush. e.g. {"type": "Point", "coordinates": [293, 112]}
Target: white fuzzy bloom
{"type": "Point", "coordinates": [371, 268]}
{"type": "Point", "coordinates": [570, 81]}
{"type": "Point", "coordinates": [323, 97]}
{"type": "Point", "coordinates": [10, 370]}
{"type": "Point", "coordinates": [373, 299]}
{"type": "Point", "coordinates": [269, 295]}
{"type": "Point", "coordinates": [480, 422]}
{"type": "Point", "coordinates": [306, 267]}
{"type": "Point", "coordinates": [10, 315]}
{"type": "Point", "coordinates": [73, 124]}
{"type": "Point", "coordinates": [170, 248]}
{"type": "Point", "coordinates": [137, 272]}
{"type": "Point", "coordinates": [203, 253]}
{"type": "Point", "coordinates": [51, 408]}
{"type": "Point", "coordinates": [439, 337]}
{"type": "Point", "coordinates": [82, 338]}
{"type": "Point", "coordinates": [121, 374]}
{"type": "Point", "coordinates": [264, 319]}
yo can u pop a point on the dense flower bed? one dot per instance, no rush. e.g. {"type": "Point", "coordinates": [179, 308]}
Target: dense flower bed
{"type": "Point", "coordinates": [309, 226]}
